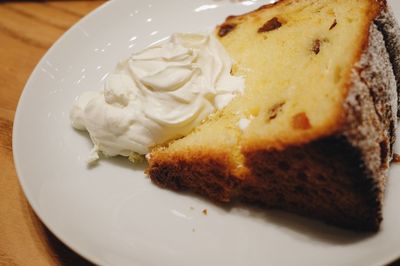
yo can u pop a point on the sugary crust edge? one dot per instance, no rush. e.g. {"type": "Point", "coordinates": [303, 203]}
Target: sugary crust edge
{"type": "Point", "coordinates": [370, 126]}
{"type": "Point", "coordinates": [388, 26]}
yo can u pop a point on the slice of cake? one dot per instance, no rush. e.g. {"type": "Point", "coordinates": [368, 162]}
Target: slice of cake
{"type": "Point", "coordinates": [313, 131]}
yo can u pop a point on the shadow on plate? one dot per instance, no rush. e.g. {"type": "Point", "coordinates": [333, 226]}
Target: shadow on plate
{"type": "Point", "coordinates": [305, 228]}
{"type": "Point", "coordinates": [295, 225]}
{"type": "Point", "coordinates": [57, 251]}
{"type": "Point", "coordinates": [64, 255]}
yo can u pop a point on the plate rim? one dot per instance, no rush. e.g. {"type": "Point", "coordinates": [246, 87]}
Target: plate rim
{"type": "Point", "coordinates": [16, 124]}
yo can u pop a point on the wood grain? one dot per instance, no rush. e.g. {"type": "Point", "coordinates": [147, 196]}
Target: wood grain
{"type": "Point", "coordinates": [27, 30]}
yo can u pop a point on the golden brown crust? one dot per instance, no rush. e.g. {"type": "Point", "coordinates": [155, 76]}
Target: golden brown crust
{"type": "Point", "coordinates": [386, 22]}
{"type": "Point", "coordinates": [324, 179]}
{"type": "Point", "coordinates": [206, 172]}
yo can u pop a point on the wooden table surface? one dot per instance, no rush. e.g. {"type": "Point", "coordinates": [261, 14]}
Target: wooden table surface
{"type": "Point", "coordinates": [27, 30]}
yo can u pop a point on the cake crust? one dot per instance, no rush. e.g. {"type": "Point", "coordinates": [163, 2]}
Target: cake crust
{"type": "Point", "coordinates": [337, 175]}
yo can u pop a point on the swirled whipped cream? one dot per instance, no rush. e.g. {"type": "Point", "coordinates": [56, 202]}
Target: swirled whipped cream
{"type": "Point", "coordinates": [157, 95]}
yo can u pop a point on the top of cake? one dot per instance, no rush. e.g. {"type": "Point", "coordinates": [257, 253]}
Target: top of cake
{"type": "Point", "coordinates": [295, 88]}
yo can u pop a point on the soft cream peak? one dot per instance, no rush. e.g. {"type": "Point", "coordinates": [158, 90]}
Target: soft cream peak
{"type": "Point", "coordinates": [157, 95]}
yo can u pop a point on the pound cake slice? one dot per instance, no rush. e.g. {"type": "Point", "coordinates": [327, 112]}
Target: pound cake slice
{"type": "Point", "coordinates": [313, 131]}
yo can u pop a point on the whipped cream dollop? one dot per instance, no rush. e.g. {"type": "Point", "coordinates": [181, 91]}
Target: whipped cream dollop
{"type": "Point", "coordinates": [157, 95]}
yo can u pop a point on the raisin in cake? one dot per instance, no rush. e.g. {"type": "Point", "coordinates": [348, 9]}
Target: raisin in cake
{"type": "Point", "coordinates": [313, 131]}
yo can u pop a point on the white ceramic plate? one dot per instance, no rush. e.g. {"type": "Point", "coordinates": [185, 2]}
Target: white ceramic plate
{"type": "Point", "coordinates": [112, 214]}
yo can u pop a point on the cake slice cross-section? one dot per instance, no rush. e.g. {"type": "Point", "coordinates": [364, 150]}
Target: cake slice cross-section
{"type": "Point", "coordinates": [313, 132]}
